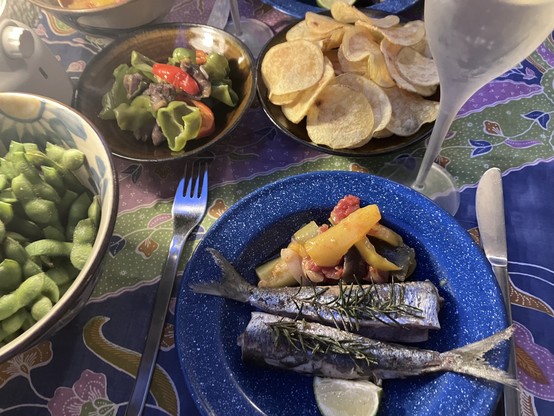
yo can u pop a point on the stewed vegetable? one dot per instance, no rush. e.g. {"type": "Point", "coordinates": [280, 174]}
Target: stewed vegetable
{"type": "Point", "coordinates": [171, 102]}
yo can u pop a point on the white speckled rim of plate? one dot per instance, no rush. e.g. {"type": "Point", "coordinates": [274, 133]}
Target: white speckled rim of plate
{"type": "Point", "coordinates": [253, 229]}
{"type": "Point", "coordinates": [33, 118]}
{"type": "Point", "coordinates": [299, 8]}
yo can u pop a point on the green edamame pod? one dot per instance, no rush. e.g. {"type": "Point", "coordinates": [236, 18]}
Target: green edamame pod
{"type": "Point", "coordinates": [6, 212]}
{"type": "Point", "coordinates": [22, 165]}
{"type": "Point", "coordinates": [67, 200]}
{"type": "Point", "coordinates": [4, 182]}
{"type": "Point", "coordinates": [53, 178]}
{"type": "Point", "coordinates": [40, 187]}
{"type": "Point", "coordinates": [94, 210]}
{"type": "Point", "coordinates": [48, 248]}
{"type": "Point", "coordinates": [21, 239]}
{"type": "Point", "coordinates": [42, 211]}
{"type": "Point", "coordinates": [30, 268]}
{"type": "Point", "coordinates": [23, 189]}
{"type": "Point", "coordinates": [7, 195]}
{"type": "Point", "coordinates": [2, 231]}
{"type": "Point", "coordinates": [83, 239]}
{"type": "Point", "coordinates": [15, 147]}
{"type": "Point", "coordinates": [59, 275]}
{"type": "Point", "coordinates": [11, 275]}
{"type": "Point", "coordinates": [25, 227]}
{"type": "Point", "coordinates": [14, 250]}
{"type": "Point", "coordinates": [29, 322]}
{"type": "Point", "coordinates": [27, 293]}
{"type": "Point", "coordinates": [7, 169]}
{"type": "Point", "coordinates": [29, 146]}
{"type": "Point", "coordinates": [70, 181]}
{"type": "Point", "coordinates": [54, 233]}
{"type": "Point", "coordinates": [77, 211]}
{"type": "Point", "coordinates": [41, 307]}
{"type": "Point", "coordinates": [71, 159]}
{"type": "Point", "coordinates": [14, 322]}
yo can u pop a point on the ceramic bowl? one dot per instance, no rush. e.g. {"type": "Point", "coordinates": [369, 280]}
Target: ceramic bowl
{"type": "Point", "coordinates": [36, 119]}
{"type": "Point", "coordinates": [158, 42]}
{"type": "Point", "coordinates": [109, 20]}
{"type": "Point", "coordinates": [376, 146]}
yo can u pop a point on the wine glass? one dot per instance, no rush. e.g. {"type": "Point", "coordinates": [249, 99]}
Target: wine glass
{"type": "Point", "coordinates": [472, 42]}
{"type": "Point", "coordinates": [254, 33]}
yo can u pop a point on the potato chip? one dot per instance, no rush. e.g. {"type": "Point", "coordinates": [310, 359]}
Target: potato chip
{"type": "Point", "coordinates": [382, 134]}
{"type": "Point", "coordinates": [333, 40]}
{"type": "Point", "coordinates": [380, 103]}
{"type": "Point", "coordinates": [409, 111]}
{"type": "Point", "coordinates": [302, 31]}
{"type": "Point", "coordinates": [283, 98]}
{"type": "Point", "coordinates": [357, 43]}
{"type": "Point", "coordinates": [332, 55]}
{"type": "Point", "coordinates": [417, 68]}
{"type": "Point", "coordinates": [404, 35]}
{"type": "Point", "coordinates": [340, 118]}
{"type": "Point", "coordinates": [423, 48]}
{"type": "Point", "coordinates": [359, 67]}
{"type": "Point", "coordinates": [296, 110]}
{"type": "Point", "coordinates": [321, 24]}
{"type": "Point", "coordinates": [292, 66]}
{"type": "Point", "coordinates": [345, 13]}
{"type": "Point", "coordinates": [378, 71]}
{"type": "Point", "coordinates": [390, 52]}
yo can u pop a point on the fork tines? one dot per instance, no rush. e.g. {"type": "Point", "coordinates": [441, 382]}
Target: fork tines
{"type": "Point", "coordinates": [195, 177]}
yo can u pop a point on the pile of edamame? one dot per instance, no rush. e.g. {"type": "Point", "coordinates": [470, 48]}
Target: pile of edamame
{"type": "Point", "coordinates": [48, 225]}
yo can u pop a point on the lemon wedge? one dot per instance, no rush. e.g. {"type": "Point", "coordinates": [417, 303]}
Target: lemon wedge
{"type": "Point", "coordinates": [336, 397]}
{"type": "Point", "coordinates": [326, 4]}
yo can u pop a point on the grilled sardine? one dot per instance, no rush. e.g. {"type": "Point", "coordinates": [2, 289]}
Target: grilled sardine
{"type": "Point", "coordinates": [312, 348]}
{"type": "Point", "coordinates": [392, 311]}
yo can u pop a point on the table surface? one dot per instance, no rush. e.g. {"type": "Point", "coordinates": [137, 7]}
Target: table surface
{"type": "Point", "coordinates": [507, 123]}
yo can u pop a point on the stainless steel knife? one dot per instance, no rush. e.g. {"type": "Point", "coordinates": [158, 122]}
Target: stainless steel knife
{"type": "Point", "coordinates": [489, 203]}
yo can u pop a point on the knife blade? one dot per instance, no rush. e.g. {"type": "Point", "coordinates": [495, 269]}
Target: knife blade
{"type": "Point", "coordinates": [489, 205]}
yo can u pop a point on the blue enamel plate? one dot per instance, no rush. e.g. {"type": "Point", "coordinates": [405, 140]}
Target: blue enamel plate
{"type": "Point", "coordinates": [257, 227]}
{"type": "Point", "coordinates": [299, 8]}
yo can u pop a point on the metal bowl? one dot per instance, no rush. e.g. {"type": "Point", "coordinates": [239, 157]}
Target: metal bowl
{"type": "Point", "coordinates": [109, 20]}
{"type": "Point", "coordinates": [158, 42]}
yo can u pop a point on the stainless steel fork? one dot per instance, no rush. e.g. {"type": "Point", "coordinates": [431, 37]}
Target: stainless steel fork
{"type": "Point", "coordinates": [189, 207]}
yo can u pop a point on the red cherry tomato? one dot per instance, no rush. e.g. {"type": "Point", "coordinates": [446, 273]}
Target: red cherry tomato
{"type": "Point", "coordinates": [176, 77]}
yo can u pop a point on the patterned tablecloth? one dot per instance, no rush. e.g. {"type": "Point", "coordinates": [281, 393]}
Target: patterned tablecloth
{"type": "Point", "coordinates": [89, 366]}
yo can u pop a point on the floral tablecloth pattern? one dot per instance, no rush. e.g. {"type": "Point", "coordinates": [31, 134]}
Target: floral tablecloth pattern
{"type": "Point", "coordinates": [88, 367]}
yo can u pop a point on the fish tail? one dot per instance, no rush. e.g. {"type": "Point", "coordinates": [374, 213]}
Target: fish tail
{"type": "Point", "coordinates": [232, 286]}
{"type": "Point", "coordinates": [470, 360]}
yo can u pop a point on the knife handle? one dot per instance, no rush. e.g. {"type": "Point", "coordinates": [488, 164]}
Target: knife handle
{"type": "Point", "coordinates": [511, 395]}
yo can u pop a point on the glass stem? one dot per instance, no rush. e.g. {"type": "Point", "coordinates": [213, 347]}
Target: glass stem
{"type": "Point", "coordinates": [440, 130]}
{"type": "Point", "coordinates": [235, 14]}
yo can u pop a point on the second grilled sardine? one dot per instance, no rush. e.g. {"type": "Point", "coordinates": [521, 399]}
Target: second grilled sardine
{"type": "Point", "coordinates": [312, 348]}
{"type": "Point", "coordinates": [402, 312]}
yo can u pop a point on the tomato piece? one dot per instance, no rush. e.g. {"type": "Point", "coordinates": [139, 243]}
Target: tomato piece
{"type": "Point", "coordinates": [201, 57]}
{"type": "Point", "coordinates": [176, 77]}
{"type": "Point", "coordinates": [208, 119]}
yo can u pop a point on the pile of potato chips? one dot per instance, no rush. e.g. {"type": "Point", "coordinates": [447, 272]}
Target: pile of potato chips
{"type": "Point", "coordinates": [353, 77]}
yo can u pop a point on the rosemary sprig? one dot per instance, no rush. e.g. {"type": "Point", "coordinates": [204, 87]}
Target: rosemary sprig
{"type": "Point", "coordinates": [301, 340]}
{"type": "Point", "coordinates": [355, 302]}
